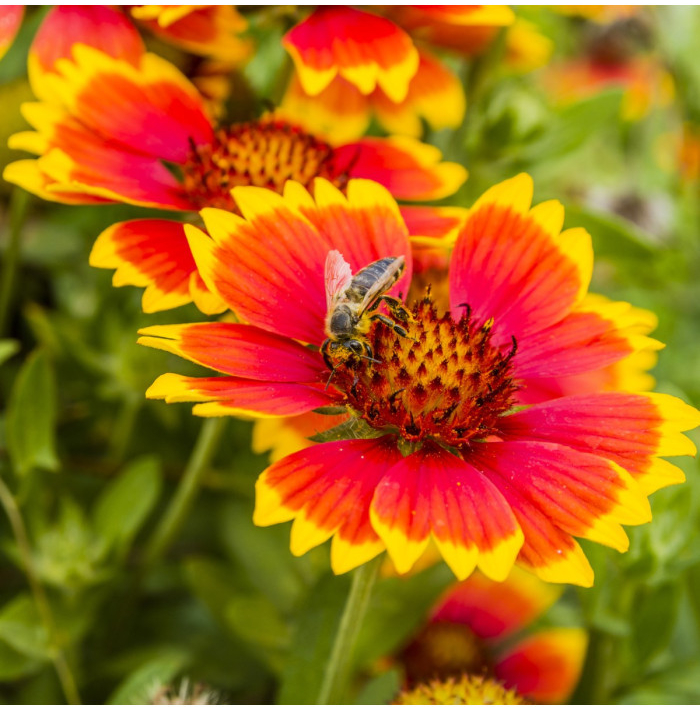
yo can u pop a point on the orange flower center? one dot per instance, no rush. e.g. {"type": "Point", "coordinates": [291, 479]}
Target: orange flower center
{"type": "Point", "coordinates": [262, 153]}
{"type": "Point", "coordinates": [443, 649]}
{"type": "Point", "coordinates": [446, 381]}
{"type": "Point", "coordinates": [465, 690]}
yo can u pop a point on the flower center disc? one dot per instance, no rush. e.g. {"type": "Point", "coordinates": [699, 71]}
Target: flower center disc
{"type": "Point", "coordinates": [261, 153]}
{"type": "Point", "coordinates": [446, 381]}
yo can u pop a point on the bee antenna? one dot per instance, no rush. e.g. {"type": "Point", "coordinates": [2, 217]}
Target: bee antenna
{"type": "Point", "coordinates": [329, 380]}
{"type": "Point", "coordinates": [370, 359]}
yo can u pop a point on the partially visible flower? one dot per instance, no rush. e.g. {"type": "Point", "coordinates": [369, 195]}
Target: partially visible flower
{"type": "Point", "coordinates": [207, 30]}
{"type": "Point", "coordinates": [527, 48]}
{"type": "Point", "coordinates": [350, 60]}
{"type": "Point", "coordinates": [122, 125]}
{"type": "Point", "coordinates": [197, 695]}
{"type": "Point", "coordinates": [10, 22]}
{"type": "Point", "coordinates": [459, 441]}
{"type": "Point", "coordinates": [481, 627]}
{"type": "Point", "coordinates": [679, 152]}
{"type": "Point", "coordinates": [466, 691]}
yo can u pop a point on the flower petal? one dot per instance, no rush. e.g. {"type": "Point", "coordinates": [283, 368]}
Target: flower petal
{"type": "Point", "coordinates": [434, 492]}
{"type": "Point", "coordinates": [239, 350]}
{"type": "Point", "coordinates": [363, 48]}
{"type": "Point", "coordinates": [327, 490]}
{"type": "Point", "coordinates": [280, 437]}
{"type": "Point", "coordinates": [232, 396]}
{"type": "Point", "coordinates": [509, 265]}
{"type": "Point", "coordinates": [408, 168]}
{"type": "Point", "coordinates": [151, 109]}
{"type": "Point", "coordinates": [581, 494]}
{"type": "Point", "coordinates": [495, 610]}
{"type": "Point", "coordinates": [275, 257]}
{"type": "Point", "coordinates": [210, 31]}
{"type": "Point", "coordinates": [339, 113]}
{"type": "Point", "coordinates": [629, 429]}
{"type": "Point", "coordinates": [150, 253]}
{"type": "Point", "coordinates": [64, 26]}
{"type": "Point", "coordinates": [10, 22]}
{"type": "Point", "coordinates": [434, 94]}
{"type": "Point", "coordinates": [545, 667]}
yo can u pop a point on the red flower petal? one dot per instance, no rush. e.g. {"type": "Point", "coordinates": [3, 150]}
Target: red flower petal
{"type": "Point", "coordinates": [239, 350]}
{"type": "Point", "coordinates": [629, 429]}
{"type": "Point", "coordinates": [407, 168]}
{"type": "Point", "coordinates": [495, 610]}
{"type": "Point", "coordinates": [97, 26]}
{"type": "Point", "coordinates": [10, 22]}
{"type": "Point", "coordinates": [582, 494]}
{"type": "Point", "coordinates": [151, 253]}
{"type": "Point", "coordinates": [434, 492]}
{"type": "Point", "coordinates": [260, 267]}
{"type": "Point", "coordinates": [512, 264]}
{"type": "Point", "coordinates": [363, 48]}
{"type": "Point", "coordinates": [231, 396]}
{"type": "Point", "coordinates": [327, 490]}
{"type": "Point", "coordinates": [546, 666]}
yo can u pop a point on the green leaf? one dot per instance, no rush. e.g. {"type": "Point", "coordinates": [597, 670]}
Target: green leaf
{"type": "Point", "coordinates": [22, 630]}
{"type": "Point", "coordinates": [212, 582]}
{"type": "Point", "coordinates": [573, 126]}
{"type": "Point", "coordinates": [613, 236]}
{"type": "Point", "coordinates": [140, 685]}
{"type": "Point", "coordinates": [125, 503]}
{"type": "Point", "coordinates": [398, 606]}
{"type": "Point", "coordinates": [7, 349]}
{"type": "Point", "coordinates": [31, 416]}
{"type": "Point", "coordinates": [16, 665]}
{"type": "Point", "coordinates": [255, 620]}
{"type": "Point", "coordinates": [264, 554]}
{"type": "Point", "coordinates": [381, 689]}
{"type": "Point", "coordinates": [653, 620]}
{"type": "Point", "coordinates": [312, 641]}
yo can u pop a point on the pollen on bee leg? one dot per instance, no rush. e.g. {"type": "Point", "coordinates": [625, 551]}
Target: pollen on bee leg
{"type": "Point", "coordinates": [445, 380]}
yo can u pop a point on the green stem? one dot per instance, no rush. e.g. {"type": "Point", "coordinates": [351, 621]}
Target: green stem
{"type": "Point", "coordinates": [58, 657]}
{"type": "Point", "coordinates": [18, 212]}
{"type": "Point", "coordinates": [198, 464]}
{"type": "Point", "coordinates": [335, 678]}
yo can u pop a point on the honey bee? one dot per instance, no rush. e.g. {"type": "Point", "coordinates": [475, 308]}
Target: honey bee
{"type": "Point", "coordinates": [353, 300]}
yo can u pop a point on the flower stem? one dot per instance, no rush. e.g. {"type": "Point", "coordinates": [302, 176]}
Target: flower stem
{"type": "Point", "coordinates": [335, 678]}
{"type": "Point", "coordinates": [198, 464]}
{"type": "Point", "coordinates": [58, 657]}
{"type": "Point", "coordinates": [18, 212]}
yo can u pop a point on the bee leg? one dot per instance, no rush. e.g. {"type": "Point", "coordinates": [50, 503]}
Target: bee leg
{"type": "Point", "coordinates": [326, 357]}
{"type": "Point", "coordinates": [397, 308]}
{"type": "Point", "coordinates": [390, 323]}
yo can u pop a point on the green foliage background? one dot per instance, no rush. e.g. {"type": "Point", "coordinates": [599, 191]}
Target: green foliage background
{"type": "Point", "coordinates": [88, 466]}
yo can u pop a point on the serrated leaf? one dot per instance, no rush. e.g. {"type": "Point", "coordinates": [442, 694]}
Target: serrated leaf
{"type": "Point", "coordinates": [352, 428]}
{"type": "Point", "coordinates": [7, 349]}
{"type": "Point", "coordinates": [31, 416]}
{"type": "Point", "coordinates": [312, 641]}
{"type": "Point", "coordinates": [22, 630]}
{"type": "Point", "coordinates": [125, 503]}
{"type": "Point", "coordinates": [140, 686]}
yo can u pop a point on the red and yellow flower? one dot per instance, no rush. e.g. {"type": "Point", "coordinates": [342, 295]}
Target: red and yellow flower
{"type": "Point", "coordinates": [206, 30]}
{"type": "Point", "coordinates": [10, 22]}
{"type": "Point", "coordinates": [459, 442]}
{"type": "Point", "coordinates": [477, 628]}
{"type": "Point", "coordinates": [117, 124]}
{"type": "Point", "coordinates": [349, 61]}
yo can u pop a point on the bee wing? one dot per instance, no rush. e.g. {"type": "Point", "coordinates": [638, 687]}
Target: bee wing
{"type": "Point", "coordinates": [382, 285]}
{"type": "Point", "coordinates": [337, 276]}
